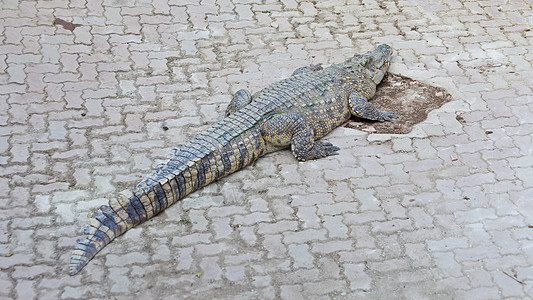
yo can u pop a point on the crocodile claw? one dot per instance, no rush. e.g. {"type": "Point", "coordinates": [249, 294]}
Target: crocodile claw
{"type": "Point", "coordinates": [388, 116]}
{"type": "Point", "coordinates": [329, 149]}
{"type": "Point", "coordinates": [320, 150]}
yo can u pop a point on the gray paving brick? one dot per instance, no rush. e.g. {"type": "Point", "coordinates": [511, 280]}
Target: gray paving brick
{"type": "Point", "coordinates": [391, 226]}
{"type": "Point", "coordinates": [122, 260]}
{"type": "Point", "coordinates": [357, 277]}
{"type": "Point", "coordinates": [389, 265]}
{"type": "Point", "coordinates": [31, 272]}
{"type": "Point", "coordinates": [308, 217]}
{"type": "Point", "coordinates": [337, 208]}
{"type": "Point", "coordinates": [302, 257]}
{"type": "Point", "coordinates": [390, 245]}
{"type": "Point", "coordinates": [332, 246]}
{"type": "Point", "coordinates": [25, 290]}
{"type": "Point", "coordinates": [419, 254]}
{"type": "Point", "coordinates": [421, 235]}
{"type": "Point", "coordinates": [367, 200]}
{"type": "Point", "coordinates": [235, 273]}
{"type": "Point", "coordinates": [476, 253]}
{"type": "Point", "coordinates": [212, 249]}
{"type": "Point", "coordinates": [362, 218]}
{"type": "Point", "coordinates": [475, 215]}
{"type": "Point", "coordinates": [323, 287]}
{"type": "Point", "coordinates": [491, 292]}
{"type": "Point", "coordinates": [447, 244]}
{"type": "Point", "coordinates": [274, 246]}
{"type": "Point", "coordinates": [262, 281]}
{"type": "Point", "coordinates": [291, 292]}
{"type": "Point", "coordinates": [191, 239]}
{"type": "Point", "coordinates": [210, 268]}
{"type": "Point", "coordinates": [304, 236]}
{"type": "Point", "coordinates": [402, 144]}
{"type": "Point", "coordinates": [335, 227]}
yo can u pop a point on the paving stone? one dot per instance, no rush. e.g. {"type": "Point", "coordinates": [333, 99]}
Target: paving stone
{"type": "Point", "coordinates": [337, 208]}
{"type": "Point", "coordinates": [212, 249]}
{"type": "Point", "coordinates": [393, 209]}
{"type": "Point", "coordinates": [302, 257]}
{"type": "Point", "coordinates": [389, 265]}
{"type": "Point", "coordinates": [508, 262]}
{"type": "Point", "coordinates": [323, 287]}
{"type": "Point", "coordinates": [191, 239]}
{"type": "Point", "coordinates": [304, 236]}
{"type": "Point", "coordinates": [210, 268]}
{"type": "Point", "coordinates": [447, 244]}
{"type": "Point", "coordinates": [253, 218]}
{"type": "Point", "coordinates": [476, 253]}
{"type": "Point", "coordinates": [508, 286]}
{"type": "Point", "coordinates": [491, 292]}
{"type": "Point", "coordinates": [505, 242]}
{"type": "Point", "coordinates": [19, 259]}
{"type": "Point", "coordinates": [308, 216]}
{"type": "Point", "coordinates": [248, 235]}
{"type": "Point", "coordinates": [419, 254]}
{"type": "Point", "coordinates": [184, 258]}
{"type": "Point", "coordinates": [391, 226]}
{"type": "Point", "coordinates": [123, 260]}
{"type": "Point", "coordinates": [475, 215]}
{"type": "Point", "coordinates": [25, 289]}
{"type": "Point", "coordinates": [447, 264]}
{"type": "Point", "coordinates": [357, 277]}
{"type": "Point", "coordinates": [402, 144]}
{"type": "Point", "coordinates": [120, 282]}
{"type": "Point", "coordinates": [367, 199]}
{"type": "Point", "coordinates": [335, 227]}
{"type": "Point", "coordinates": [31, 272]}
{"type": "Point", "coordinates": [274, 246]}
{"type": "Point", "coordinates": [240, 258]}
{"type": "Point", "coordinates": [332, 246]}
{"type": "Point", "coordinates": [262, 281]}
{"type": "Point", "coordinates": [235, 273]}
{"type": "Point", "coordinates": [291, 292]}
{"type": "Point", "coordinates": [278, 227]}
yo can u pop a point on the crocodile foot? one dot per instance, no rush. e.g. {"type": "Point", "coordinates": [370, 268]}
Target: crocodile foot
{"type": "Point", "coordinates": [387, 116]}
{"type": "Point", "coordinates": [319, 150]}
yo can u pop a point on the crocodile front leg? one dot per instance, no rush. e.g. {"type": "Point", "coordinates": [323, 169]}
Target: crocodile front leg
{"type": "Point", "coordinates": [240, 100]}
{"type": "Point", "coordinates": [292, 129]}
{"type": "Point", "coordinates": [360, 107]}
{"type": "Point", "coordinates": [310, 68]}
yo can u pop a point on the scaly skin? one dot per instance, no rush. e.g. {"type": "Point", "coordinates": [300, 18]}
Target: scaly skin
{"type": "Point", "coordinates": [294, 112]}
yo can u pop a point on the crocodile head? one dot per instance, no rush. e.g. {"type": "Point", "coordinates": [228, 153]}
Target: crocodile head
{"type": "Point", "coordinates": [373, 63]}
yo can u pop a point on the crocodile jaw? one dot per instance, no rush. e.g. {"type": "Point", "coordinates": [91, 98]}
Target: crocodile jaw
{"type": "Point", "coordinates": [378, 62]}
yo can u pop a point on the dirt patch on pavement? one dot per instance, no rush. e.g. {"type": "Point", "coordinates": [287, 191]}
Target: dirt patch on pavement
{"type": "Point", "coordinates": [411, 100]}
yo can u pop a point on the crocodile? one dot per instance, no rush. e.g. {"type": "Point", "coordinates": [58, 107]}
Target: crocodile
{"type": "Point", "coordinates": [295, 112]}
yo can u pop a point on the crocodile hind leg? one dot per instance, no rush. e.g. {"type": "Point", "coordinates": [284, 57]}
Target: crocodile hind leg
{"type": "Point", "coordinates": [240, 100]}
{"type": "Point", "coordinates": [292, 129]}
{"type": "Point", "coordinates": [360, 107]}
{"type": "Point", "coordinates": [310, 68]}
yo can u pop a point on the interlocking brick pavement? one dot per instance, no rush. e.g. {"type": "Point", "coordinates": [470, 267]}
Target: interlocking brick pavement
{"type": "Point", "coordinates": [440, 213]}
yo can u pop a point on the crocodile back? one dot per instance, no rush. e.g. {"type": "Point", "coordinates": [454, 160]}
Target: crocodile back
{"type": "Point", "coordinates": [320, 96]}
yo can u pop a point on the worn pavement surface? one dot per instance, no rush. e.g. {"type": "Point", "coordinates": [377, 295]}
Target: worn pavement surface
{"type": "Point", "coordinates": [87, 109]}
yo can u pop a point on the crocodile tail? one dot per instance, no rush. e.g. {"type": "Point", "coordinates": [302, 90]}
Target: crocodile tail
{"type": "Point", "coordinates": [108, 222]}
{"type": "Point", "coordinates": [170, 182]}
{"type": "Point", "coordinates": [131, 208]}
{"type": "Point", "coordinates": [204, 159]}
